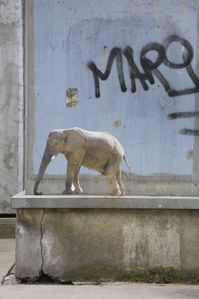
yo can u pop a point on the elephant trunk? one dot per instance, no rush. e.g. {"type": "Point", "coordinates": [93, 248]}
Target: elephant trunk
{"type": "Point", "coordinates": [44, 163]}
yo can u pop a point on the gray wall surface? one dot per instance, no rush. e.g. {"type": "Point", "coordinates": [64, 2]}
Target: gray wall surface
{"type": "Point", "coordinates": [11, 102]}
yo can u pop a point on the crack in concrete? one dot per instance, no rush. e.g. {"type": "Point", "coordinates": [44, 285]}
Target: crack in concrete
{"type": "Point", "coordinates": [42, 234]}
{"type": "Point", "coordinates": [7, 274]}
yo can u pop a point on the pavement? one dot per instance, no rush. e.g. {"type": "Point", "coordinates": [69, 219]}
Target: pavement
{"type": "Point", "coordinates": [11, 290]}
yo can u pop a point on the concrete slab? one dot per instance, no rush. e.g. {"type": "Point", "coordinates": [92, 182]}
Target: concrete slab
{"type": "Point", "coordinates": [108, 291]}
{"type": "Point", "coordinates": [21, 201]}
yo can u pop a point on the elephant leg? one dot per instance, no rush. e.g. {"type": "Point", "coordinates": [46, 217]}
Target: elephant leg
{"type": "Point", "coordinates": [111, 172]}
{"type": "Point", "coordinates": [115, 185]}
{"type": "Point", "coordinates": [118, 177]}
{"type": "Point", "coordinates": [71, 168]}
{"type": "Point", "coordinates": [78, 188]}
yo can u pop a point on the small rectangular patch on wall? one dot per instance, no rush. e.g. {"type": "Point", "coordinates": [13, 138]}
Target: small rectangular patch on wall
{"type": "Point", "coordinates": [71, 97]}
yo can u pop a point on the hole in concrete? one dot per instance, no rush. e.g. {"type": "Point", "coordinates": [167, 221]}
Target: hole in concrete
{"type": "Point", "coordinates": [7, 215]}
{"type": "Point", "coordinates": [44, 279]}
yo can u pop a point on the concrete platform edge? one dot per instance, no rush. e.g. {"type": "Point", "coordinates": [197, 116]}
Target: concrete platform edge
{"type": "Point", "coordinates": [22, 200]}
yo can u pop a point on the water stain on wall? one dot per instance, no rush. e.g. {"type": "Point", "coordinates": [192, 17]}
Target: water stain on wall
{"type": "Point", "coordinates": [117, 123]}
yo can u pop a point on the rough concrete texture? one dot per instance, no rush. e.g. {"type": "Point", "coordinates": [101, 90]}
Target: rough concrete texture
{"type": "Point", "coordinates": [63, 243]}
{"type": "Point", "coordinates": [11, 104]}
{"type": "Point", "coordinates": [111, 290]}
{"type": "Point", "coordinates": [7, 257]}
{"type": "Point", "coordinates": [107, 291]}
{"type": "Point", "coordinates": [28, 246]}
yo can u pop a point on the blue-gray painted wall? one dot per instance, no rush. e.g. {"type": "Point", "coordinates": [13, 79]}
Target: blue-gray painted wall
{"type": "Point", "coordinates": [70, 33]}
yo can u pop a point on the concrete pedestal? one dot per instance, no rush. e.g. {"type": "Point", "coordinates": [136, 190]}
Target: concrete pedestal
{"type": "Point", "coordinates": [67, 237]}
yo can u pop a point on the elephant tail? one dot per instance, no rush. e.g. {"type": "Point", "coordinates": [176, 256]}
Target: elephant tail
{"type": "Point", "coordinates": [124, 158]}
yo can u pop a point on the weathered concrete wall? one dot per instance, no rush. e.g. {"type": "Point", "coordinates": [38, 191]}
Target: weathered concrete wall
{"type": "Point", "coordinates": [63, 243]}
{"type": "Point", "coordinates": [11, 103]}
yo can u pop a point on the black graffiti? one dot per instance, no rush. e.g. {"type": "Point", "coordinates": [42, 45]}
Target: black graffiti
{"type": "Point", "coordinates": [183, 115]}
{"type": "Point", "coordinates": [150, 68]}
{"type": "Point", "coordinates": [189, 132]}
{"type": "Point", "coordinates": [116, 53]}
{"type": "Point", "coordinates": [187, 114]}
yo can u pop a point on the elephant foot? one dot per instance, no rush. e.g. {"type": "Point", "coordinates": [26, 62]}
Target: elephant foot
{"type": "Point", "coordinates": [67, 192]}
{"type": "Point", "coordinates": [78, 190]}
{"type": "Point", "coordinates": [38, 193]}
{"type": "Point", "coordinates": [116, 193]}
{"type": "Point", "coordinates": [122, 193]}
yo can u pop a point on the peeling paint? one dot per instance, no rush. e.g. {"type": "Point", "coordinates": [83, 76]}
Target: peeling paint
{"type": "Point", "coordinates": [71, 97]}
{"type": "Point", "coordinates": [189, 155]}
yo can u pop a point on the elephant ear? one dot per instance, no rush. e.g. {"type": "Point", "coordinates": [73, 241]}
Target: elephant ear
{"type": "Point", "coordinates": [74, 139]}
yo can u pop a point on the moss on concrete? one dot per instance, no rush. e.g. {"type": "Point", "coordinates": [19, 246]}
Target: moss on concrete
{"type": "Point", "coordinates": [153, 275]}
{"type": "Point", "coordinates": [7, 228]}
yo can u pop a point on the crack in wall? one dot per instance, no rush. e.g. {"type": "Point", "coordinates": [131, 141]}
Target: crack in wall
{"type": "Point", "coordinates": [41, 238]}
